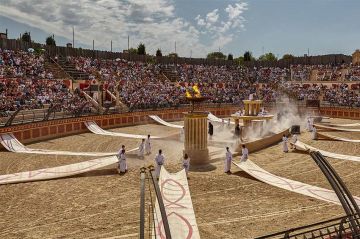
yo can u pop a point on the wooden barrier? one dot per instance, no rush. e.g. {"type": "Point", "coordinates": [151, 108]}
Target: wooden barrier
{"type": "Point", "coordinates": [33, 132]}
{"type": "Point", "coordinates": [346, 113]}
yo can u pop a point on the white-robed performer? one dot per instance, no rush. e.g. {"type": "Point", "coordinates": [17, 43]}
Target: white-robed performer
{"type": "Point", "coordinates": [141, 148]}
{"type": "Point", "coordinates": [228, 160]}
{"type": "Point", "coordinates": [122, 161]}
{"type": "Point", "coordinates": [182, 134]}
{"type": "Point", "coordinates": [159, 160]}
{"type": "Point", "coordinates": [284, 143]}
{"type": "Point", "coordinates": [244, 153]}
{"type": "Point", "coordinates": [308, 124]}
{"type": "Point", "coordinates": [186, 164]}
{"type": "Point", "coordinates": [313, 134]}
{"type": "Point", "coordinates": [148, 145]}
{"type": "Point", "coordinates": [293, 141]}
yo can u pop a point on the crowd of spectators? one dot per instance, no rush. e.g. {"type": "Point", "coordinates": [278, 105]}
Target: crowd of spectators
{"type": "Point", "coordinates": [24, 82]}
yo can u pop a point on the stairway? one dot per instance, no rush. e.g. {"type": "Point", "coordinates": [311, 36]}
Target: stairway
{"type": "Point", "coordinates": [55, 69]}
{"type": "Point", "coordinates": [171, 73]}
{"type": "Point", "coordinates": [70, 69]}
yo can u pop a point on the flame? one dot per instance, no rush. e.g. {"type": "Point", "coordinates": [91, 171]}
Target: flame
{"type": "Point", "coordinates": [196, 91]}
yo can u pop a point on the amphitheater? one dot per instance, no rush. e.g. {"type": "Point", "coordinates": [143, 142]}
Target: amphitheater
{"type": "Point", "coordinates": [103, 204]}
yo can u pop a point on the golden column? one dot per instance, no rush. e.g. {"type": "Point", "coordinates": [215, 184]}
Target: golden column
{"type": "Point", "coordinates": [195, 129]}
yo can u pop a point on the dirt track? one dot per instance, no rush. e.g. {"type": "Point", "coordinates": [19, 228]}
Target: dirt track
{"type": "Point", "coordinates": [102, 204]}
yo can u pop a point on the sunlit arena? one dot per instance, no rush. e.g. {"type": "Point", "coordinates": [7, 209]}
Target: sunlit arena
{"type": "Point", "coordinates": [176, 119]}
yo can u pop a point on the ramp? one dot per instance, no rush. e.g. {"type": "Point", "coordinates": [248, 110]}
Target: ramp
{"type": "Point", "coordinates": [343, 125]}
{"type": "Point", "coordinates": [93, 127]}
{"type": "Point", "coordinates": [213, 118]}
{"type": "Point", "coordinates": [178, 206]}
{"type": "Point", "coordinates": [302, 146]}
{"type": "Point", "coordinates": [163, 122]}
{"type": "Point", "coordinates": [294, 186]}
{"type": "Point", "coordinates": [59, 172]}
{"type": "Point", "coordinates": [324, 127]}
{"type": "Point", "coordinates": [12, 144]}
{"type": "Point", "coordinates": [332, 137]}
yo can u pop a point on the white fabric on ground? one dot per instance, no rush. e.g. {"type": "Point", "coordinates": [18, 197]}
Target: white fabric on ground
{"type": "Point", "coordinates": [59, 172]}
{"type": "Point", "coordinates": [321, 134]}
{"type": "Point", "coordinates": [294, 186]}
{"type": "Point", "coordinates": [318, 126]}
{"type": "Point", "coordinates": [305, 147]}
{"type": "Point", "coordinates": [11, 143]}
{"type": "Point", "coordinates": [163, 122]}
{"type": "Point", "coordinates": [93, 127]}
{"type": "Point", "coordinates": [179, 209]}
{"type": "Point", "coordinates": [213, 118]}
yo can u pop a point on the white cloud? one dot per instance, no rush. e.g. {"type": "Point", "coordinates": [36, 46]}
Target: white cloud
{"type": "Point", "coordinates": [212, 16]}
{"type": "Point", "coordinates": [155, 24]}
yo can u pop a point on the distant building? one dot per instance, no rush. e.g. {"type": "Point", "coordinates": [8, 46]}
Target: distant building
{"type": "Point", "coordinates": [4, 35]}
{"type": "Point", "coordinates": [69, 45]}
{"type": "Point", "coordinates": [356, 57]}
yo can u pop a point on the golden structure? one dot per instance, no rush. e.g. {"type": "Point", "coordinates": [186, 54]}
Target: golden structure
{"type": "Point", "coordinates": [195, 130]}
{"type": "Point", "coordinates": [356, 57]}
{"type": "Point", "coordinates": [251, 115]}
{"type": "Point", "coordinates": [195, 144]}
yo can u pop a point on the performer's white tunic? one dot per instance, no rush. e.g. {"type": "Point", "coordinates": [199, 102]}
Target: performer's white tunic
{"type": "Point", "coordinates": [313, 134]}
{"type": "Point", "coordinates": [186, 165]}
{"type": "Point", "coordinates": [141, 149]}
{"type": "Point", "coordinates": [245, 154]}
{"type": "Point", "coordinates": [309, 124]}
{"type": "Point", "coordinates": [182, 134]}
{"type": "Point", "coordinates": [294, 139]}
{"type": "Point", "coordinates": [228, 160]}
{"type": "Point", "coordinates": [285, 146]}
{"type": "Point", "coordinates": [159, 161]}
{"type": "Point", "coordinates": [147, 146]}
{"type": "Point", "coordinates": [122, 163]}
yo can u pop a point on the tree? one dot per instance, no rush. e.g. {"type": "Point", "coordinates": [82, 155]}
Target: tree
{"type": "Point", "coordinates": [158, 52]}
{"type": "Point", "coordinates": [288, 57]}
{"type": "Point", "coordinates": [230, 57]}
{"type": "Point", "coordinates": [26, 37]}
{"type": "Point", "coordinates": [50, 41]}
{"type": "Point", "coordinates": [216, 55]}
{"type": "Point", "coordinates": [173, 54]}
{"type": "Point", "coordinates": [248, 56]}
{"type": "Point", "coordinates": [133, 51]}
{"type": "Point", "coordinates": [268, 57]}
{"type": "Point", "coordinates": [141, 49]}
{"type": "Point", "coordinates": [239, 60]}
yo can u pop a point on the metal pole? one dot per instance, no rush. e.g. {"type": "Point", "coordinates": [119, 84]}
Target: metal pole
{"type": "Point", "coordinates": [111, 46]}
{"type": "Point", "coordinates": [142, 202]}
{"type": "Point", "coordinates": [73, 37]}
{"type": "Point", "coordinates": [161, 205]}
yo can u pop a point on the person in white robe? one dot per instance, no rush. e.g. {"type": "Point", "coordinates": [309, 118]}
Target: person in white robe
{"type": "Point", "coordinates": [293, 141]}
{"type": "Point", "coordinates": [313, 134]}
{"type": "Point", "coordinates": [159, 161]}
{"type": "Point", "coordinates": [228, 159]}
{"type": "Point", "coordinates": [284, 143]}
{"type": "Point", "coordinates": [186, 164]}
{"type": "Point", "coordinates": [122, 161]}
{"type": "Point", "coordinates": [182, 134]}
{"type": "Point", "coordinates": [244, 153]}
{"type": "Point", "coordinates": [148, 145]}
{"type": "Point", "coordinates": [228, 123]}
{"type": "Point", "coordinates": [141, 148]}
{"type": "Point", "coordinates": [308, 125]}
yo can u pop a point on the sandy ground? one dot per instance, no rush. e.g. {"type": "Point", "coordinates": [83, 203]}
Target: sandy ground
{"type": "Point", "coordinates": [102, 204]}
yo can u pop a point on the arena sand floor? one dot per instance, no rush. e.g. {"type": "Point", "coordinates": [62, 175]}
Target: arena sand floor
{"type": "Point", "coordinates": [102, 204]}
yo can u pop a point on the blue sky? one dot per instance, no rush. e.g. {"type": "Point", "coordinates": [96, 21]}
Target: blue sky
{"type": "Point", "coordinates": [198, 26]}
